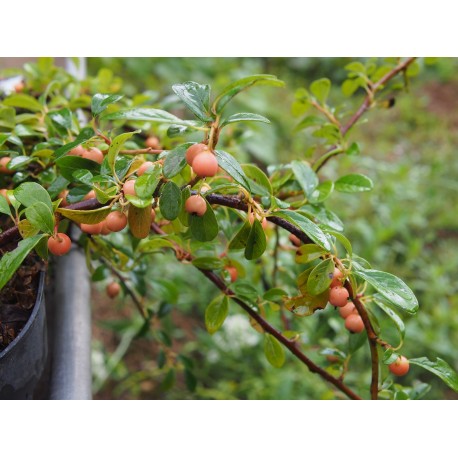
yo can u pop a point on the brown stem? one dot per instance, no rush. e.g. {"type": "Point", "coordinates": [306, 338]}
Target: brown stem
{"type": "Point", "coordinates": [267, 327]}
{"type": "Point", "coordinates": [371, 337]}
{"type": "Point", "coordinates": [368, 101]}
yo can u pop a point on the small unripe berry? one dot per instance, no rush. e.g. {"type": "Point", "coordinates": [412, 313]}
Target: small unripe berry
{"type": "Point", "coordinates": [232, 272]}
{"type": "Point", "coordinates": [193, 151]}
{"type": "Point", "coordinates": [113, 289]}
{"type": "Point", "coordinates": [93, 154]}
{"type": "Point", "coordinates": [59, 244]}
{"type": "Point", "coordinates": [77, 151]}
{"type": "Point", "coordinates": [144, 167]}
{"type": "Point", "coordinates": [205, 165]}
{"type": "Point", "coordinates": [90, 195]}
{"type": "Point", "coordinates": [129, 188]}
{"type": "Point", "coordinates": [263, 221]}
{"type": "Point", "coordinates": [152, 142]}
{"type": "Point", "coordinates": [337, 278]}
{"type": "Point", "coordinates": [195, 205]}
{"type": "Point", "coordinates": [295, 240]}
{"type": "Point", "coordinates": [116, 221]}
{"type": "Point", "coordinates": [338, 296]}
{"type": "Point", "coordinates": [3, 163]}
{"type": "Point", "coordinates": [354, 323]}
{"type": "Point", "coordinates": [400, 367]}
{"type": "Point", "coordinates": [347, 310]}
{"type": "Point", "coordinates": [93, 229]}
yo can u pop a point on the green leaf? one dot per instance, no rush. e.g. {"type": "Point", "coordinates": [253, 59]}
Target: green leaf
{"type": "Point", "coordinates": [274, 351]}
{"type": "Point", "coordinates": [208, 263]}
{"type": "Point", "coordinates": [175, 161]}
{"type": "Point", "coordinates": [320, 277]}
{"type": "Point", "coordinates": [320, 89]}
{"type": "Point", "coordinates": [146, 184]}
{"type": "Point", "coordinates": [116, 146]}
{"type": "Point", "coordinates": [170, 201]}
{"type": "Point", "coordinates": [238, 86]}
{"type": "Point", "coordinates": [354, 182]}
{"type": "Point", "coordinates": [274, 294]}
{"type": "Point", "coordinates": [439, 368]}
{"type": "Point", "coordinates": [390, 287]}
{"type": "Point", "coordinates": [30, 193]}
{"type": "Point", "coordinates": [259, 183]}
{"type": "Point", "coordinates": [305, 176]}
{"type": "Point", "coordinates": [62, 118]}
{"type": "Point", "coordinates": [321, 192]}
{"type": "Point", "coordinates": [12, 260]}
{"type": "Point", "coordinates": [393, 315]}
{"type": "Point", "coordinates": [196, 97]}
{"type": "Point", "coordinates": [146, 114]}
{"type": "Point", "coordinates": [4, 206]}
{"type": "Point", "coordinates": [68, 165]}
{"type": "Point", "coordinates": [309, 121]}
{"type": "Point", "coordinates": [238, 117]}
{"type": "Point", "coordinates": [307, 226]}
{"type": "Point", "coordinates": [308, 252]}
{"type": "Point", "coordinates": [85, 216]}
{"type": "Point", "coordinates": [389, 356]}
{"type": "Point", "coordinates": [343, 240]}
{"type": "Point", "coordinates": [23, 101]}
{"type": "Point", "coordinates": [216, 313]}
{"type": "Point", "coordinates": [204, 228]}
{"type": "Point", "coordinates": [356, 67]}
{"type": "Point", "coordinates": [256, 242]}
{"type": "Point", "coordinates": [84, 135]}
{"type": "Point", "coordinates": [353, 150]}
{"type": "Point", "coordinates": [239, 241]}
{"type": "Point", "coordinates": [18, 162]}
{"type": "Point", "coordinates": [230, 165]}
{"type": "Point", "coordinates": [41, 217]}
{"type": "Point", "coordinates": [100, 102]}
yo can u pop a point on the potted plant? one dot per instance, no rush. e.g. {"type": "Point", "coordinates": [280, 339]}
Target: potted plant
{"type": "Point", "coordinates": [134, 195]}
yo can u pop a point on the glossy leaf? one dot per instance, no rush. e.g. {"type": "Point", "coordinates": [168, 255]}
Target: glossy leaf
{"type": "Point", "coordinates": [274, 351]}
{"type": "Point", "coordinates": [116, 146]}
{"type": "Point", "coordinates": [390, 287]}
{"type": "Point", "coordinates": [12, 260]}
{"type": "Point", "coordinates": [230, 165]}
{"type": "Point", "coordinates": [62, 118]}
{"type": "Point", "coordinates": [305, 176]}
{"type": "Point", "coordinates": [320, 277]}
{"type": "Point", "coordinates": [320, 89]}
{"type": "Point", "coordinates": [343, 240]}
{"type": "Point", "coordinates": [85, 216]}
{"type": "Point", "coordinates": [392, 314]}
{"type": "Point", "coordinates": [208, 263]}
{"type": "Point", "coordinates": [239, 241]}
{"type": "Point", "coordinates": [321, 192]}
{"type": "Point", "coordinates": [30, 193]}
{"type": "Point", "coordinates": [175, 161]}
{"type": "Point", "coordinates": [440, 368]}
{"type": "Point", "coordinates": [170, 201]}
{"type": "Point", "coordinates": [238, 117]}
{"type": "Point", "coordinates": [146, 114]}
{"type": "Point", "coordinates": [41, 217]}
{"type": "Point", "coordinates": [238, 86]}
{"type": "Point", "coordinates": [146, 184]}
{"type": "Point", "coordinates": [216, 313]}
{"type": "Point", "coordinates": [70, 164]}
{"type": "Point", "coordinates": [259, 182]}
{"type": "Point", "coordinates": [256, 242]}
{"type": "Point", "coordinates": [100, 102]}
{"type": "Point", "coordinates": [85, 134]}
{"type": "Point", "coordinates": [307, 226]}
{"type": "Point", "coordinates": [4, 206]}
{"type": "Point", "coordinates": [196, 97]}
{"type": "Point", "coordinates": [354, 183]}
{"type": "Point", "coordinates": [204, 228]}
{"type": "Point", "coordinates": [308, 252]}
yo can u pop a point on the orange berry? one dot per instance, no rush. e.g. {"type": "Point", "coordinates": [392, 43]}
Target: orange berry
{"type": "Point", "coordinates": [348, 309]}
{"type": "Point", "coordinates": [129, 188]}
{"type": "Point", "coordinates": [116, 221]}
{"type": "Point", "coordinates": [232, 272]}
{"type": "Point", "coordinates": [193, 151]}
{"type": "Point", "coordinates": [152, 142]}
{"type": "Point", "coordinates": [93, 229]}
{"type": "Point", "coordinates": [400, 367]}
{"type": "Point", "coordinates": [195, 205]}
{"type": "Point", "coordinates": [354, 323]}
{"type": "Point", "coordinates": [19, 87]}
{"type": "Point", "coordinates": [59, 244]}
{"type": "Point", "coordinates": [90, 195]}
{"type": "Point", "coordinates": [105, 230]}
{"type": "Point", "coordinates": [144, 167]}
{"type": "Point", "coordinates": [93, 154]}
{"type": "Point", "coordinates": [338, 296]}
{"type": "Point", "coordinates": [337, 278]}
{"type": "Point", "coordinates": [4, 161]}
{"type": "Point", "coordinates": [205, 165]}
{"type": "Point", "coordinates": [77, 151]}
{"type": "Point", "coordinates": [113, 289]}
{"type": "Point", "coordinates": [295, 240]}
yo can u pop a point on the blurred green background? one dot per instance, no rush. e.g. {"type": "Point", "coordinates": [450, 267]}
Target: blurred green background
{"type": "Point", "coordinates": [407, 225]}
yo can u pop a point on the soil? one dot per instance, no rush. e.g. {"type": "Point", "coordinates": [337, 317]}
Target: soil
{"type": "Point", "coordinates": [18, 296]}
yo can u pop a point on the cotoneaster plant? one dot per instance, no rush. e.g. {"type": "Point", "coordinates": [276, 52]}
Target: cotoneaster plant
{"type": "Point", "coordinates": [134, 194]}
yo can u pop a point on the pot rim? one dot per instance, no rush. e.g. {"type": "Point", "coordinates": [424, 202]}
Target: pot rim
{"type": "Point", "coordinates": [36, 308]}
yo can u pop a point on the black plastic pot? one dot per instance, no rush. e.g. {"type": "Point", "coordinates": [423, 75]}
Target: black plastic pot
{"type": "Point", "coordinates": [23, 361]}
